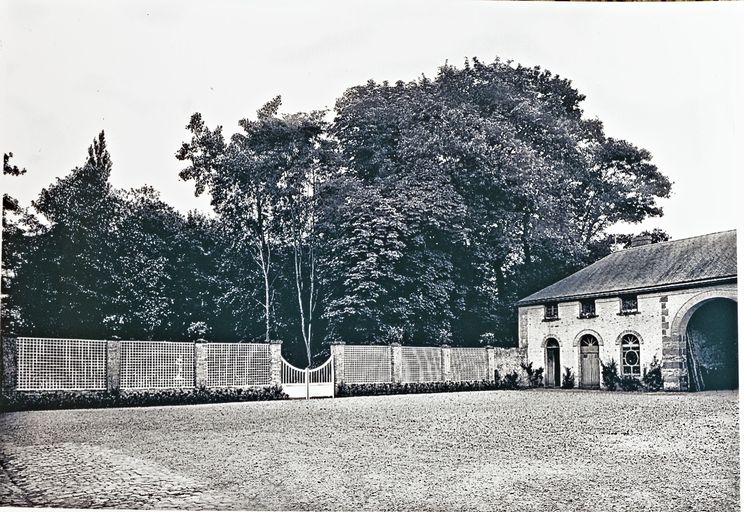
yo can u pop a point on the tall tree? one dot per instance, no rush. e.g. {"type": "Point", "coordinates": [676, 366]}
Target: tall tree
{"type": "Point", "coordinates": [537, 184]}
{"type": "Point", "coordinates": [264, 185]}
{"type": "Point", "coordinates": [17, 225]}
{"type": "Point", "coordinates": [312, 156]}
{"type": "Point", "coordinates": [72, 281]}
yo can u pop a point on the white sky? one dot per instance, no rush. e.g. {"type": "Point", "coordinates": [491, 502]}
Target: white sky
{"type": "Point", "coordinates": [667, 77]}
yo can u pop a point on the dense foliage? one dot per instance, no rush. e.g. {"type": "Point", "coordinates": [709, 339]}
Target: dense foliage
{"type": "Point", "coordinates": [652, 379]}
{"type": "Point", "coordinates": [414, 388]}
{"type": "Point", "coordinates": [610, 375]}
{"type": "Point", "coordinates": [31, 401]}
{"type": "Point", "coordinates": [419, 214]}
{"type": "Point", "coordinates": [568, 381]}
{"type": "Point", "coordinates": [534, 375]}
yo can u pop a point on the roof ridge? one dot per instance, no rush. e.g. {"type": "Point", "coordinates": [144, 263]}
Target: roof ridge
{"type": "Point", "coordinates": [702, 257]}
{"type": "Point", "coordinates": [674, 240]}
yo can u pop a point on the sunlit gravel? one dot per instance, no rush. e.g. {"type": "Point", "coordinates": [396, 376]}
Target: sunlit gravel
{"type": "Point", "coordinates": [491, 450]}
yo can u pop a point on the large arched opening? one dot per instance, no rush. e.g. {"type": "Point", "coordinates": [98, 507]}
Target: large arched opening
{"type": "Point", "coordinates": [712, 346]}
{"type": "Point", "coordinates": [701, 349]}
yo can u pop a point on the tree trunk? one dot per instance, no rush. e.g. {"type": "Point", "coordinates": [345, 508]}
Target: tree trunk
{"type": "Point", "coordinates": [525, 239]}
{"type": "Point", "coordinates": [267, 306]}
{"type": "Point", "coordinates": [299, 287]}
{"type": "Point", "coordinates": [264, 260]}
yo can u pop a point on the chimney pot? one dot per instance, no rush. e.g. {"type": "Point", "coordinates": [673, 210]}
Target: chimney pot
{"type": "Point", "coordinates": [640, 240]}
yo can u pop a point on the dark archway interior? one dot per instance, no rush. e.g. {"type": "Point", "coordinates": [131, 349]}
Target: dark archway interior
{"type": "Point", "coordinates": [712, 334]}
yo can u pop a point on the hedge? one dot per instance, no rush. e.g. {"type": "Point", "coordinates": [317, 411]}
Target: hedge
{"type": "Point", "coordinates": [413, 387]}
{"type": "Point", "coordinates": [38, 400]}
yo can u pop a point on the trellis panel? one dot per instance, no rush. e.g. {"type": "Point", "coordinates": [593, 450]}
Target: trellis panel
{"type": "Point", "coordinates": [238, 364]}
{"type": "Point", "coordinates": [156, 364]}
{"type": "Point", "coordinates": [468, 364]}
{"type": "Point", "coordinates": [59, 364]}
{"type": "Point", "coordinates": [364, 364]}
{"type": "Point", "coordinates": [421, 364]}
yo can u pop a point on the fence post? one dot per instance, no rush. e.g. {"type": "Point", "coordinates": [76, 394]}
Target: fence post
{"type": "Point", "coordinates": [338, 353]}
{"type": "Point", "coordinates": [490, 364]}
{"type": "Point", "coordinates": [446, 363]}
{"type": "Point", "coordinates": [113, 366]}
{"type": "Point", "coordinates": [275, 347]}
{"type": "Point", "coordinates": [201, 369]}
{"type": "Point", "coordinates": [333, 377]}
{"type": "Point", "coordinates": [9, 365]}
{"type": "Point", "coordinates": [396, 359]}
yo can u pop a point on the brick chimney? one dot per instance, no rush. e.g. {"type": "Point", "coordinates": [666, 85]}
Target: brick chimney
{"type": "Point", "coordinates": [640, 240]}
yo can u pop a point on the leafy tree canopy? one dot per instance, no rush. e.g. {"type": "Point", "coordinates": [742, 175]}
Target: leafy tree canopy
{"type": "Point", "coordinates": [419, 214]}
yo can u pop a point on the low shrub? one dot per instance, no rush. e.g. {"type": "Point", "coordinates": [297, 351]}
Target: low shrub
{"type": "Point", "coordinates": [653, 379]}
{"type": "Point", "coordinates": [38, 400]}
{"type": "Point", "coordinates": [534, 376]}
{"type": "Point", "coordinates": [568, 381]}
{"type": "Point", "coordinates": [629, 383]}
{"type": "Point", "coordinates": [609, 375]}
{"type": "Point", "coordinates": [413, 388]}
{"type": "Point", "coordinates": [511, 380]}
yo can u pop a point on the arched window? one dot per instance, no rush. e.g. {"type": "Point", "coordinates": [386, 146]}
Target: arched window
{"type": "Point", "coordinates": [631, 355]}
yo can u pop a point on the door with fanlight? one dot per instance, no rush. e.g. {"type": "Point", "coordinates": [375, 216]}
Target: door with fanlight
{"type": "Point", "coordinates": [589, 361]}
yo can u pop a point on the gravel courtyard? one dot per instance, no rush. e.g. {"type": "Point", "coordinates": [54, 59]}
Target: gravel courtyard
{"type": "Point", "coordinates": [497, 450]}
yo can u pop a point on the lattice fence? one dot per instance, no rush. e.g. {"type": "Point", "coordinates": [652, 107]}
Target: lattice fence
{"type": "Point", "coordinates": [421, 364]}
{"type": "Point", "coordinates": [238, 364]}
{"type": "Point", "coordinates": [156, 364]}
{"type": "Point", "coordinates": [468, 364]}
{"type": "Point", "coordinates": [51, 364]}
{"type": "Point", "coordinates": [365, 364]}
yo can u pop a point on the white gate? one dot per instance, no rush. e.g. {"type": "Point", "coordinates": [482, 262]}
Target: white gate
{"type": "Point", "coordinates": [310, 382]}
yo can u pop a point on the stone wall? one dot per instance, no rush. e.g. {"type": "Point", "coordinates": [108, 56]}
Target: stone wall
{"type": "Point", "coordinates": [508, 360]}
{"type": "Point", "coordinates": [652, 324]}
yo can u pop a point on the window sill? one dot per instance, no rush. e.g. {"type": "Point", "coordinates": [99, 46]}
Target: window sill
{"type": "Point", "coordinates": [582, 317]}
{"type": "Point", "coordinates": [627, 313]}
{"type": "Point", "coordinates": [552, 319]}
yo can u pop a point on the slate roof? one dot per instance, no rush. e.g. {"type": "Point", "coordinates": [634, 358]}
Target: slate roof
{"type": "Point", "coordinates": [696, 261]}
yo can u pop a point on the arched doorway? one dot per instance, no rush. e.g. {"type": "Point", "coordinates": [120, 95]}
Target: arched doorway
{"type": "Point", "coordinates": [552, 363]}
{"type": "Point", "coordinates": [589, 361]}
{"type": "Point", "coordinates": [711, 342]}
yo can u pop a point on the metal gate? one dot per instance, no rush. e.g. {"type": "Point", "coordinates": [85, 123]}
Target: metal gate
{"type": "Point", "coordinates": [309, 382]}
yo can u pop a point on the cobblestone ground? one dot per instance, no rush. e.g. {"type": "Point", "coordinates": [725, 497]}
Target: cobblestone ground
{"type": "Point", "coordinates": [524, 450]}
{"type": "Point", "coordinates": [84, 476]}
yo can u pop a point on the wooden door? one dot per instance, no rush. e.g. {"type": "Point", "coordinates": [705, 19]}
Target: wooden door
{"type": "Point", "coordinates": [553, 365]}
{"type": "Point", "coordinates": [589, 354]}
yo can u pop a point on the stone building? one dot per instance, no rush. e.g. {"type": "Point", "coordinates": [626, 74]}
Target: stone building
{"type": "Point", "coordinates": [674, 301]}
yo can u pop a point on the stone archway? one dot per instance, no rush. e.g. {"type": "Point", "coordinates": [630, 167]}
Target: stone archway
{"type": "Point", "coordinates": [674, 346]}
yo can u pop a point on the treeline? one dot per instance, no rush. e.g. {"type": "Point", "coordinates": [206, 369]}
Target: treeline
{"type": "Point", "coordinates": [419, 214]}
